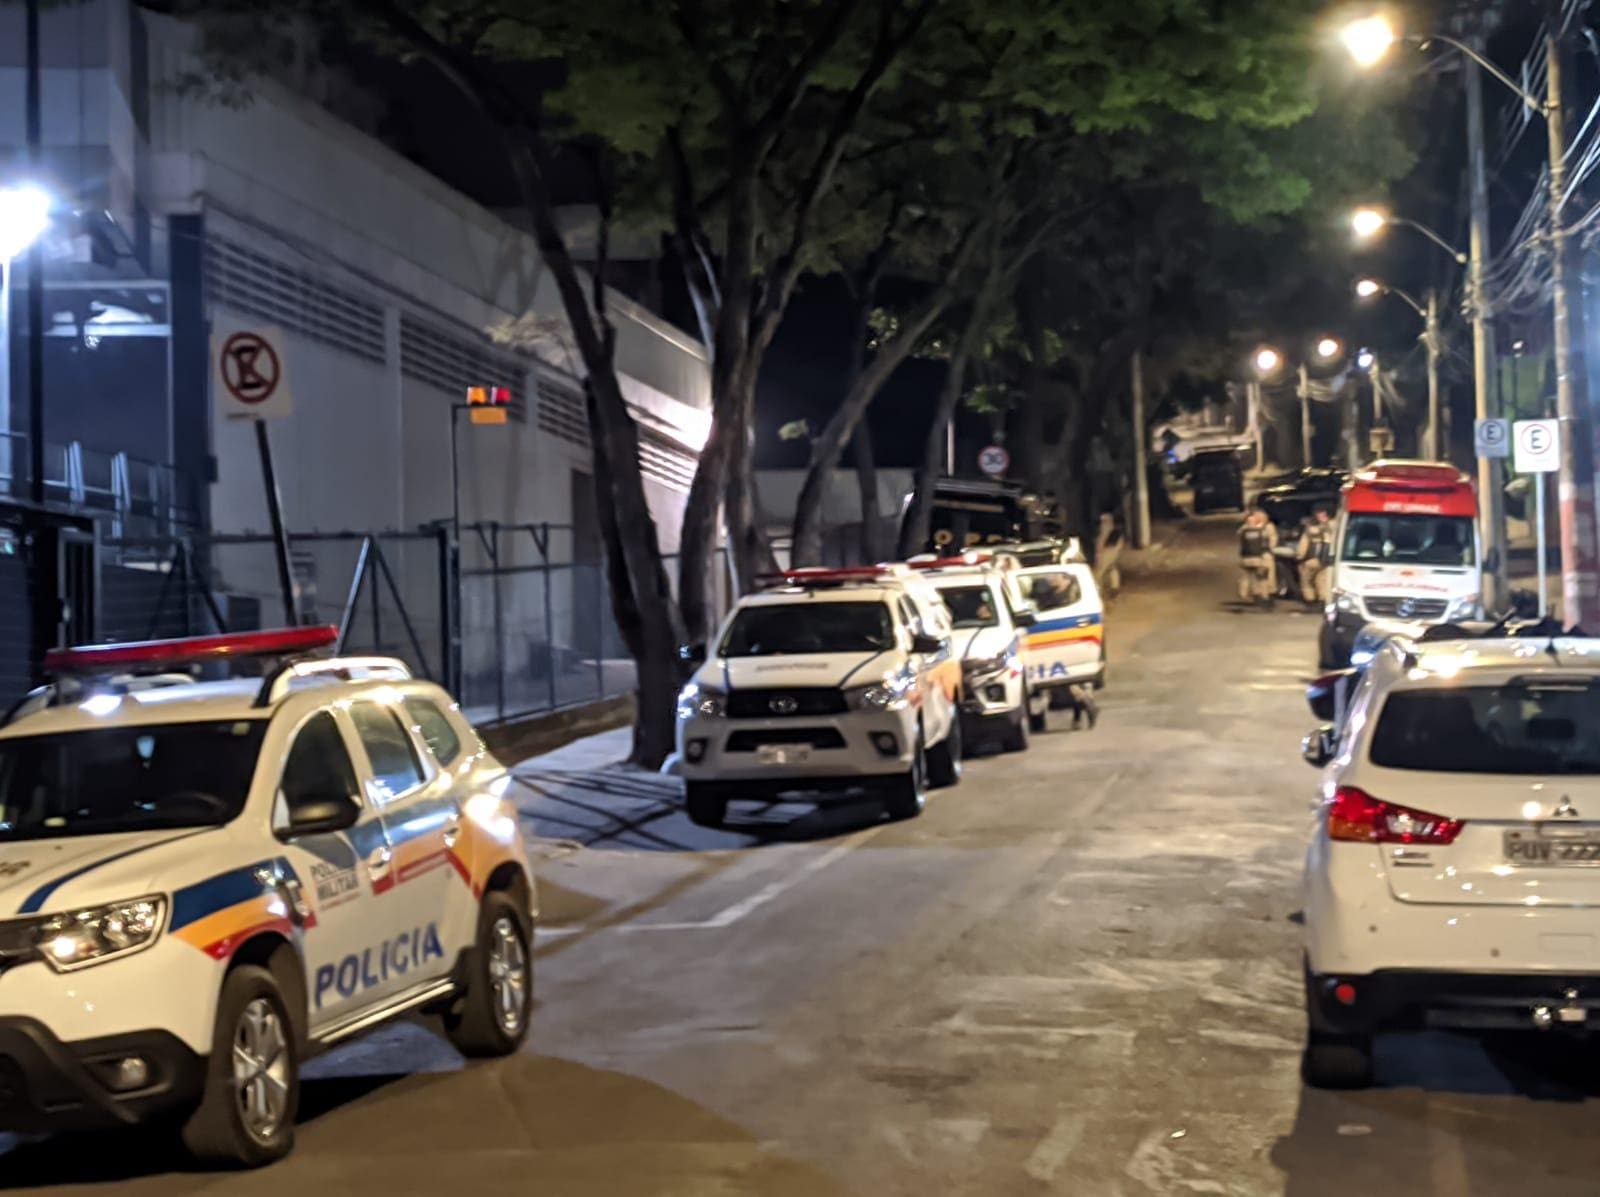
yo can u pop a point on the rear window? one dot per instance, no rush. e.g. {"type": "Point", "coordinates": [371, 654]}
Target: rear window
{"type": "Point", "coordinates": [1522, 728]}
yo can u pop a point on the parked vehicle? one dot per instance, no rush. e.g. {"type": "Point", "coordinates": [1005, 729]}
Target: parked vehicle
{"type": "Point", "coordinates": [826, 680]}
{"type": "Point", "coordinates": [1218, 480]}
{"type": "Point", "coordinates": [1290, 500]}
{"type": "Point", "coordinates": [969, 514]}
{"type": "Point", "coordinates": [206, 882]}
{"type": "Point", "coordinates": [989, 635]}
{"type": "Point", "coordinates": [1451, 877]}
{"type": "Point", "coordinates": [1407, 553]}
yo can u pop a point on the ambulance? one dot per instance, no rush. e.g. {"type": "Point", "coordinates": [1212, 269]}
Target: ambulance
{"type": "Point", "coordinates": [1407, 554]}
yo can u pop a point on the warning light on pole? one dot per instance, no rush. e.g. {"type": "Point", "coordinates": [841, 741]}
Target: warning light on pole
{"type": "Point", "coordinates": [489, 396]}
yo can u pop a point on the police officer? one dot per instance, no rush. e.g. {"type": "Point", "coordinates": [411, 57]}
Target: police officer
{"type": "Point", "coordinates": [1257, 568]}
{"type": "Point", "coordinates": [1314, 553]}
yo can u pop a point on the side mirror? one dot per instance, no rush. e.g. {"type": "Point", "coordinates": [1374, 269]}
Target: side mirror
{"type": "Point", "coordinates": [1319, 747]}
{"type": "Point", "coordinates": [321, 816]}
{"type": "Point", "coordinates": [1024, 619]}
{"type": "Point", "coordinates": [926, 644]}
{"type": "Point", "coordinates": [1322, 695]}
{"type": "Point", "coordinates": [692, 654]}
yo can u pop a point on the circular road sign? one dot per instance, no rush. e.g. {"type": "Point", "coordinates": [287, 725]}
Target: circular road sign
{"type": "Point", "coordinates": [993, 460]}
{"type": "Point", "coordinates": [250, 368]}
{"type": "Point", "coordinates": [1536, 439]}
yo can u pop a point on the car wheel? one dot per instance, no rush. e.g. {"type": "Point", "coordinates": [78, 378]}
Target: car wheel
{"type": "Point", "coordinates": [252, 1084]}
{"type": "Point", "coordinates": [1038, 720]}
{"type": "Point", "coordinates": [491, 1018]}
{"type": "Point", "coordinates": [907, 792]}
{"type": "Point", "coordinates": [706, 805]}
{"type": "Point", "coordinates": [1337, 1061]}
{"type": "Point", "coordinates": [1016, 736]}
{"type": "Point", "coordinates": [944, 758]}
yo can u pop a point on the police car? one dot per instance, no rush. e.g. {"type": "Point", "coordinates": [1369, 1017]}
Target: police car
{"type": "Point", "coordinates": [1066, 644]}
{"type": "Point", "coordinates": [202, 883]}
{"type": "Point", "coordinates": [824, 680]}
{"type": "Point", "coordinates": [1451, 878]}
{"type": "Point", "coordinates": [989, 628]}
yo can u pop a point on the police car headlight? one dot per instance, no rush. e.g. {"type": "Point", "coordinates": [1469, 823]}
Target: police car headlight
{"type": "Point", "coordinates": [80, 938]}
{"type": "Point", "coordinates": [891, 694]}
{"type": "Point", "coordinates": [978, 668]}
{"type": "Point", "coordinates": [1347, 602]}
{"type": "Point", "coordinates": [696, 700]}
{"type": "Point", "coordinates": [1465, 607]}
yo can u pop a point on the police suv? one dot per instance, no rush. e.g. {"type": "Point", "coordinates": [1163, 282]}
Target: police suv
{"type": "Point", "coordinates": [825, 680]}
{"type": "Point", "coordinates": [204, 882]}
{"type": "Point", "coordinates": [1065, 645]}
{"type": "Point", "coordinates": [990, 628]}
{"type": "Point", "coordinates": [1452, 874]}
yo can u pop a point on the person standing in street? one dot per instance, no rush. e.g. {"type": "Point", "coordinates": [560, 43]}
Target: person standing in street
{"type": "Point", "coordinates": [1314, 553]}
{"type": "Point", "coordinates": [1257, 568]}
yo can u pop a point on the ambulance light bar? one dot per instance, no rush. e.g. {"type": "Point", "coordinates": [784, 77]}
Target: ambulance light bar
{"type": "Point", "coordinates": [189, 650]}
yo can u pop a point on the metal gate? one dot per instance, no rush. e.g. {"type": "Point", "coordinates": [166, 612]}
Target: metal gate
{"type": "Point", "coordinates": [48, 591]}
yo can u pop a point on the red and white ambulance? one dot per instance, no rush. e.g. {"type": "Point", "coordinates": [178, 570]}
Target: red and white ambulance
{"type": "Point", "coordinates": [1407, 553]}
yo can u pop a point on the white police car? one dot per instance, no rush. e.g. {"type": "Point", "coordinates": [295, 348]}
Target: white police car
{"type": "Point", "coordinates": [989, 627]}
{"type": "Point", "coordinates": [1451, 879]}
{"type": "Point", "coordinates": [830, 680]}
{"type": "Point", "coordinates": [203, 883]}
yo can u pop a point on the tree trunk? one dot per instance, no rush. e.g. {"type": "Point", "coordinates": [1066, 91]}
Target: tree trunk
{"type": "Point", "coordinates": [828, 447]}
{"type": "Point", "coordinates": [914, 533]}
{"type": "Point", "coordinates": [1029, 441]}
{"type": "Point", "coordinates": [872, 545]}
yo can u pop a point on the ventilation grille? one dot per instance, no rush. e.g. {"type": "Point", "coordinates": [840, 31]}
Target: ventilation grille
{"type": "Point", "coordinates": [561, 412]}
{"type": "Point", "coordinates": [294, 298]}
{"type": "Point", "coordinates": [665, 461]}
{"type": "Point", "coordinates": [453, 363]}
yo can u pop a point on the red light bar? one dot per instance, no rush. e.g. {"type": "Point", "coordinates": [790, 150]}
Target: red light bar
{"type": "Point", "coordinates": [98, 658]}
{"type": "Point", "coordinates": [971, 557]}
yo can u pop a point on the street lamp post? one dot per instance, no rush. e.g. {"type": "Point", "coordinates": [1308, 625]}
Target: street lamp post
{"type": "Point", "coordinates": [1367, 288]}
{"type": "Point", "coordinates": [1368, 41]}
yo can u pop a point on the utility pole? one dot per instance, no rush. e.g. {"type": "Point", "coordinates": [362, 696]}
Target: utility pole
{"type": "Point", "coordinates": [34, 122]}
{"type": "Point", "coordinates": [1432, 338]}
{"type": "Point", "coordinates": [1491, 470]}
{"type": "Point", "coordinates": [1141, 455]}
{"type": "Point", "coordinates": [1305, 416]}
{"type": "Point", "coordinates": [1580, 595]}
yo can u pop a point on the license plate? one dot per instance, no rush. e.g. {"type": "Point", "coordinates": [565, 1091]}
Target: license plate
{"type": "Point", "coordinates": [783, 754]}
{"type": "Point", "coordinates": [1530, 848]}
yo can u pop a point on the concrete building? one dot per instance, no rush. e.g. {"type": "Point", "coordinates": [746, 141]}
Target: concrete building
{"type": "Point", "coordinates": [387, 293]}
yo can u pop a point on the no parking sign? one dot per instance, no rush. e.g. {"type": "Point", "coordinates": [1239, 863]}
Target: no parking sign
{"type": "Point", "coordinates": [1538, 446]}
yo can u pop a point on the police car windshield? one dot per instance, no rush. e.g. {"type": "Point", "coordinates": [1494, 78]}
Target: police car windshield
{"type": "Point", "coordinates": [1415, 539]}
{"type": "Point", "coordinates": [970, 606]}
{"type": "Point", "coordinates": [814, 627]}
{"type": "Point", "coordinates": [110, 779]}
{"type": "Point", "coordinates": [1517, 729]}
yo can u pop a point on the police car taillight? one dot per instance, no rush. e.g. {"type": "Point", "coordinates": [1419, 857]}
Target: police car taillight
{"type": "Point", "coordinates": [190, 650]}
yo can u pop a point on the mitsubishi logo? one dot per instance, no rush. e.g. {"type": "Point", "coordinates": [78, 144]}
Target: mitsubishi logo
{"type": "Point", "coordinates": [783, 705]}
{"type": "Point", "coordinates": [1564, 809]}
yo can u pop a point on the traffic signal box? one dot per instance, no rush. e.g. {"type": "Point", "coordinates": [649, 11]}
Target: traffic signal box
{"type": "Point", "coordinates": [488, 405]}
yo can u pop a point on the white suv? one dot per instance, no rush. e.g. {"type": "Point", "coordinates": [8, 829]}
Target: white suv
{"type": "Point", "coordinates": [990, 628]}
{"type": "Point", "coordinates": [1452, 876]}
{"type": "Point", "coordinates": [203, 883]}
{"type": "Point", "coordinates": [831, 680]}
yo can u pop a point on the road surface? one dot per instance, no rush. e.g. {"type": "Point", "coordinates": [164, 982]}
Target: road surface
{"type": "Point", "coordinates": [1075, 973]}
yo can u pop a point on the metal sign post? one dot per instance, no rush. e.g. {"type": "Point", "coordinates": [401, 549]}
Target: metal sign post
{"type": "Point", "coordinates": [1538, 452]}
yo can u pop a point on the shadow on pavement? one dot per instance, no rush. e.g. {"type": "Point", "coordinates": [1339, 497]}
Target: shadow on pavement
{"type": "Point", "coordinates": [562, 1127]}
{"type": "Point", "coordinates": [1447, 1108]}
{"type": "Point", "coordinates": [614, 809]}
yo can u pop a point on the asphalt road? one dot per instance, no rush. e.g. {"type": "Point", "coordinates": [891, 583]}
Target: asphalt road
{"type": "Point", "coordinates": [1077, 972]}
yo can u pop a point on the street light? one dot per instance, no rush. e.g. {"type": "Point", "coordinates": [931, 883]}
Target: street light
{"type": "Point", "coordinates": [1367, 221]}
{"type": "Point", "coordinates": [1368, 288]}
{"type": "Point", "coordinates": [1368, 39]}
{"type": "Point", "coordinates": [1268, 360]}
{"type": "Point", "coordinates": [1329, 347]}
{"type": "Point", "coordinates": [24, 216]}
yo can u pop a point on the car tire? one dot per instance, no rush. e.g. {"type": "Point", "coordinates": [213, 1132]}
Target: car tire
{"type": "Point", "coordinates": [906, 794]}
{"type": "Point", "coordinates": [1337, 1061]}
{"type": "Point", "coordinates": [1016, 737]}
{"type": "Point", "coordinates": [247, 1120]}
{"type": "Point", "coordinates": [707, 806]}
{"type": "Point", "coordinates": [492, 1016]}
{"type": "Point", "coordinates": [1038, 714]}
{"type": "Point", "coordinates": [944, 758]}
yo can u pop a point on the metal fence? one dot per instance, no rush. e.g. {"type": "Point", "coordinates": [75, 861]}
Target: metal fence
{"type": "Point", "coordinates": [526, 627]}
